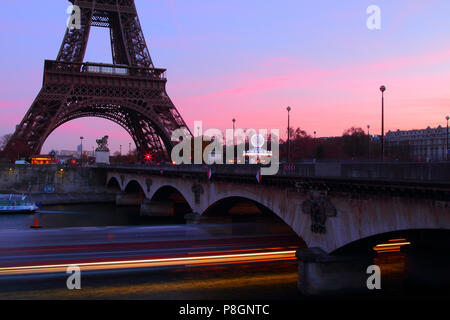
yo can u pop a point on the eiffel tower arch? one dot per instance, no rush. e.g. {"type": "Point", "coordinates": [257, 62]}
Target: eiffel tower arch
{"type": "Point", "coordinates": [130, 92]}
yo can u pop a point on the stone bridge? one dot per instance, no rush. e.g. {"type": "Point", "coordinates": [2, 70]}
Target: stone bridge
{"type": "Point", "coordinates": [335, 208]}
{"type": "Point", "coordinates": [327, 211]}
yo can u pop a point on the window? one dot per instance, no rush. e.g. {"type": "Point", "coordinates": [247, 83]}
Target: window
{"type": "Point", "coordinates": [93, 69]}
{"type": "Point", "coordinates": [122, 71]}
{"type": "Point", "coordinates": [107, 70]}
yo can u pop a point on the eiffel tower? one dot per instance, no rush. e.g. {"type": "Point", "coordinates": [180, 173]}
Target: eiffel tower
{"type": "Point", "coordinates": [130, 92]}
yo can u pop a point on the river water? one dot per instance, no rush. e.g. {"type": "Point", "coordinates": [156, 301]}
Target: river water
{"type": "Point", "coordinates": [254, 283]}
{"type": "Point", "coordinates": [82, 215]}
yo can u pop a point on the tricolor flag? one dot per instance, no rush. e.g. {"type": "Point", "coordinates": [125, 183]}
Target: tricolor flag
{"type": "Point", "coordinates": [209, 173]}
{"type": "Point", "coordinates": [259, 176]}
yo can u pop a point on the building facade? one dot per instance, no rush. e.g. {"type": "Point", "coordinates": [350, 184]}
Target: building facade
{"type": "Point", "coordinates": [428, 144]}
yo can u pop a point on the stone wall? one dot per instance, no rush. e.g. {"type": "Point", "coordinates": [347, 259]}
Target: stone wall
{"type": "Point", "coordinates": [51, 179]}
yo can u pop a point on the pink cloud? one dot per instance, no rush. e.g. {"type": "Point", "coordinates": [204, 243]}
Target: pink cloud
{"type": "Point", "coordinates": [327, 100]}
{"type": "Point", "coordinates": [330, 99]}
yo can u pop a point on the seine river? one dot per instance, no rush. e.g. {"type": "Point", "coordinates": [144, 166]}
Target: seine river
{"type": "Point", "coordinates": [82, 215]}
{"type": "Point", "coordinates": [259, 281]}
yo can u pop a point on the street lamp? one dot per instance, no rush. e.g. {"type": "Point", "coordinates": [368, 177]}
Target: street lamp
{"type": "Point", "coordinates": [289, 134]}
{"type": "Point", "coordinates": [446, 151]}
{"type": "Point", "coordinates": [81, 155]}
{"type": "Point", "coordinates": [234, 128]}
{"type": "Point", "coordinates": [368, 142]}
{"type": "Point", "coordinates": [315, 145]}
{"type": "Point", "coordinates": [382, 89]}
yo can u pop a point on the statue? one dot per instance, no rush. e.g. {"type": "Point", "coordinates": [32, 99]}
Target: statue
{"type": "Point", "coordinates": [103, 144]}
{"type": "Point", "coordinates": [102, 152]}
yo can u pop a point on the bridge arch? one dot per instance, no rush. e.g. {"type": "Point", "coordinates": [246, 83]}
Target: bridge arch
{"type": "Point", "coordinates": [266, 201]}
{"type": "Point", "coordinates": [172, 194]}
{"type": "Point", "coordinates": [249, 215]}
{"type": "Point", "coordinates": [113, 184]}
{"type": "Point", "coordinates": [424, 238]}
{"type": "Point", "coordinates": [134, 186]}
{"type": "Point", "coordinates": [237, 206]}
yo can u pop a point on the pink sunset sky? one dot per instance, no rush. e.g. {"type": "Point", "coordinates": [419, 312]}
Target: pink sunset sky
{"type": "Point", "coordinates": [249, 61]}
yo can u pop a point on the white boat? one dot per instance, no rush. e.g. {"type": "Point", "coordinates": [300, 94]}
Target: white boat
{"type": "Point", "coordinates": [15, 203]}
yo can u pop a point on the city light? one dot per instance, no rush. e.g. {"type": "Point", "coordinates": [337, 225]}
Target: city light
{"type": "Point", "coordinates": [148, 157]}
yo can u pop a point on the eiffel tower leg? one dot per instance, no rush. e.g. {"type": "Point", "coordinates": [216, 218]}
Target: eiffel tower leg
{"type": "Point", "coordinates": [30, 134]}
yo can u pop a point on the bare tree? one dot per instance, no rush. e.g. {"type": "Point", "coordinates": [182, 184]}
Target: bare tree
{"type": "Point", "coordinates": [4, 140]}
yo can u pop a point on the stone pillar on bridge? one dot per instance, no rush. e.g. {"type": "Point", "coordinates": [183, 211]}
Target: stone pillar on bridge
{"type": "Point", "coordinates": [322, 274]}
{"type": "Point", "coordinates": [157, 209]}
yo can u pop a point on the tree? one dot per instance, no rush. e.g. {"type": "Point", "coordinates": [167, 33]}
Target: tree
{"type": "Point", "coordinates": [17, 148]}
{"type": "Point", "coordinates": [354, 142]}
{"type": "Point", "coordinates": [4, 140]}
{"type": "Point", "coordinates": [302, 145]}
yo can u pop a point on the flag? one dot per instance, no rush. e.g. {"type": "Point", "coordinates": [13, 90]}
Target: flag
{"type": "Point", "coordinates": [259, 176]}
{"type": "Point", "coordinates": [209, 173]}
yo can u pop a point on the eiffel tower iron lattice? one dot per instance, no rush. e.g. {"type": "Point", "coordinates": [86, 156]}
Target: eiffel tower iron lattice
{"type": "Point", "coordinates": [130, 92]}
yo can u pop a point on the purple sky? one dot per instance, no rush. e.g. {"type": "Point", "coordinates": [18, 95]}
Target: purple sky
{"type": "Point", "coordinates": [250, 60]}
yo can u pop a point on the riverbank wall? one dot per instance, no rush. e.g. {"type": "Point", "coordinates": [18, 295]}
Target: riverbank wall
{"type": "Point", "coordinates": [53, 184]}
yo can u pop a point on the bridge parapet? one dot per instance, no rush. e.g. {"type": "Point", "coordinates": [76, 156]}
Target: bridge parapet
{"type": "Point", "coordinates": [393, 172]}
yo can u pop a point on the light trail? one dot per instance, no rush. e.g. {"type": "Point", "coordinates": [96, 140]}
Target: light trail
{"type": "Point", "coordinates": [393, 245]}
{"type": "Point", "coordinates": [152, 263]}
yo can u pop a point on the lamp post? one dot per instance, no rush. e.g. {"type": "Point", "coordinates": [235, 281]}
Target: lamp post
{"type": "Point", "coordinates": [315, 145]}
{"type": "Point", "coordinates": [234, 129]}
{"type": "Point", "coordinates": [368, 142]}
{"type": "Point", "coordinates": [382, 89]}
{"type": "Point", "coordinates": [289, 134]}
{"type": "Point", "coordinates": [81, 152]}
{"type": "Point", "coordinates": [446, 151]}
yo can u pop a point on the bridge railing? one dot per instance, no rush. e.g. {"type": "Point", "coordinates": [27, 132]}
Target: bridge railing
{"type": "Point", "coordinates": [375, 171]}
